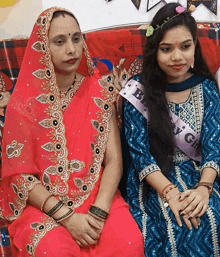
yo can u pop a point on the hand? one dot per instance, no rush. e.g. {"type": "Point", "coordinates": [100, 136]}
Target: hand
{"type": "Point", "coordinates": [175, 206]}
{"type": "Point", "coordinates": [195, 202]}
{"type": "Point", "coordinates": [84, 229]}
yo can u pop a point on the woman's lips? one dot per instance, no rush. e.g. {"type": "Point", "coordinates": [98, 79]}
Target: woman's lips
{"type": "Point", "coordinates": [177, 67]}
{"type": "Point", "coordinates": [71, 61]}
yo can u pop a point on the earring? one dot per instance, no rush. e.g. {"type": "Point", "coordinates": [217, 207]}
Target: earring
{"type": "Point", "coordinates": [88, 60]}
{"type": "Point", "coordinates": [192, 64]}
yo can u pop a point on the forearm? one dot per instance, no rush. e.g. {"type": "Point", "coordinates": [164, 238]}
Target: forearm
{"type": "Point", "coordinates": [37, 196]}
{"type": "Point", "coordinates": [208, 175]}
{"type": "Point", "coordinates": [157, 180]}
{"type": "Point", "coordinates": [109, 183]}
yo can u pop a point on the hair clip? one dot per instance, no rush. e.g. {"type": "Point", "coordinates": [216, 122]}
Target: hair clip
{"type": "Point", "coordinates": [150, 31]}
{"type": "Point", "coordinates": [179, 10]}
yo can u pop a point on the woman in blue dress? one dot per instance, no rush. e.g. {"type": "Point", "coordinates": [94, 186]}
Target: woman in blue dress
{"type": "Point", "coordinates": [172, 154]}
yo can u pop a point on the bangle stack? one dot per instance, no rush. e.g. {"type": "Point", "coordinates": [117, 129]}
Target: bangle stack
{"type": "Point", "coordinates": [56, 208]}
{"type": "Point", "coordinates": [167, 189]}
{"type": "Point", "coordinates": [98, 213]}
{"type": "Point", "coordinates": [65, 216]}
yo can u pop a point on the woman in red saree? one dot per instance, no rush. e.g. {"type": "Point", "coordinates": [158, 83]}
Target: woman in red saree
{"type": "Point", "coordinates": [61, 152]}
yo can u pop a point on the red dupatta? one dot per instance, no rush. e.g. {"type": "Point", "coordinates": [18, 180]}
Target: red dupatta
{"type": "Point", "coordinates": [63, 150]}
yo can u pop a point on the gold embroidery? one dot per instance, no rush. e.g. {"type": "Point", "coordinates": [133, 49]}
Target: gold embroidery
{"type": "Point", "coordinates": [40, 74]}
{"type": "Point", "coordinates": [48, 147]}
{"type": "Point", "coordinates": [41, 228]}
{"type": "Point", "coordinates": [21, 188]}
{"type": "Point", "coordinates": [42, 98]}
{"type": "Point", "coordinates": [14, 149]}
{"type": "Point", "coordinates": [38, 46]}
{"type": "Point", "coordinates": [76, 166]}
{"type": "Point", "coordinates": [46, 123]}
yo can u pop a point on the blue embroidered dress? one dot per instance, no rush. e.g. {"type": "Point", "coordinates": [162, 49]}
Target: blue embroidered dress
{"type": "Point", "coordinates": [162, 236]}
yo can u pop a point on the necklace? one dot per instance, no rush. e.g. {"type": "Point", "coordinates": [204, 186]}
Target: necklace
{"type": "Point", "coordinates": [66, 97]}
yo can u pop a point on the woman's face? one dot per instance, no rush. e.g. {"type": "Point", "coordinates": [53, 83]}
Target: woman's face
{"type": "Point", "coordinates": [175, 53]}
{"type": "Point", "coordinates": [66, 44]}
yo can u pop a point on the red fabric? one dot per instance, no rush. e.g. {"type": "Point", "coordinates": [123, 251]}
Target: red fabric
{"type": "Point", "coordinates": [119, 237]}
{"type": "Point", "coordinates": [63, 150]}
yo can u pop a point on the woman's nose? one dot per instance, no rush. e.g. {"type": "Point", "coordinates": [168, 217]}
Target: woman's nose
{"type": "Point", "coordinates": [177, 55]}
{"type": "Point", "coordinates": [70, 47]}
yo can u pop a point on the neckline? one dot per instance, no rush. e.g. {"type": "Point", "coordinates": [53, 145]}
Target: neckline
{"type": "Point", "coordinates": [186, 84]}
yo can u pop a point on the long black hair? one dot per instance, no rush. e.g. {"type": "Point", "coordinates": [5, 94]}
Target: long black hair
{"type": "Point", "coordinates": [160, 126]}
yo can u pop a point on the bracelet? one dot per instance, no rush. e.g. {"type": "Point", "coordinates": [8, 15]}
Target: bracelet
{"type": "Point", "coordinates": [166, 188]}
{"type": "Point", "coordinates": [44, 202]}
{"type": "Point", "coordinates": [98, 212]}
{"type": "Point", "coordinates": [55, 208]}
{"type": "Point", "coordinates": [209, 185]}
{"type": "Point", "coordinates": [172, 196]}
{"type": "Point", "coordinates": [65, 216]}
{"type": "Point", "coordinates": [95, 216]}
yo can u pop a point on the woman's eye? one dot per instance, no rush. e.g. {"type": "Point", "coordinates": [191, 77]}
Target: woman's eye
{"type": "Point", "coordinates": [76, 39]}
{"type": "Point", "coordinates": [59, 42]}
{"type": "Point", "coordinates": [185, 46]}
{"type": "Point", "coordinates": [166, 49]}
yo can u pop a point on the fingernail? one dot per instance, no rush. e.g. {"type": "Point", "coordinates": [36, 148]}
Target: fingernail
{"type": "Point", "coordinates": [196, 227]}
{"type": "Point", "coordinates": [189, 218]}
{"type": "Point", "coordinates": [190, 228]}
{"type": "Point", "coordinates": [180, 225]}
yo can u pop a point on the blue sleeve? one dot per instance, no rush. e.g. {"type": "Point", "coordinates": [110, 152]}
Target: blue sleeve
{"type": "Point", "coordinates": [210, 133]}
{"type": "Point", "coordinates": [136, 136]}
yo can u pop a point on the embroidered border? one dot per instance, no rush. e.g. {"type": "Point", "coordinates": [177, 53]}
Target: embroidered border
{"type": "Point", "coordinates": [21, 190]}
{"type": "Point", "coordinates": [214, 232]}
{"type": "Point", "coordinates": [169, 227]}
{"type": "Point", "coordinates": [144, 215]}
{"type": "Point", "coordinates": [212, 165]}
{"type": "Point", "coordinates": [148, 170]}
{"type": "Point", "coordinates": [180, 180]}
{"type": "Point", "coordinates": [40, 231]}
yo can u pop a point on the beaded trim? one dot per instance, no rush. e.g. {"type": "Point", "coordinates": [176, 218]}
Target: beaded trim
{"type": "Point", "coordinates": [214, 232]}
{"type": "Point", "coordinates": [148, 170]}
{"type": "Point", "coordinates": [212, 165]}
{"type": "Point", "coordinates": [169, 226]}
{"type": "Point", "coordinates": [144, 214]}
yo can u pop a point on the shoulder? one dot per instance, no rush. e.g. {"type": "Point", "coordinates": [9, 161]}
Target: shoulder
{"type": "Point", "coordinates": [209, 87]}
{"type": "Point", "coordinates": [139, 78]}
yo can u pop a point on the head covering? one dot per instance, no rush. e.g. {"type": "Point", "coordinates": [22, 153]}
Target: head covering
{"type": "Point", "coordinates": [64, 150]}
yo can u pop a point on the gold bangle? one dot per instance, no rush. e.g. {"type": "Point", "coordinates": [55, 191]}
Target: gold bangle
{"type": "Point", "coordinates": [95, 216]}
{"type": "Point", "coordinates": [56, 208]}
{"type": "Point", "coordinates": [44, 202]}
{"type": "Point", "coordinates": [65, 216]}
{"type": "Point", "coordinates": [98, 212]}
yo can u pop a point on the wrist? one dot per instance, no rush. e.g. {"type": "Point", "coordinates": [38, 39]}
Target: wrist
{"type": "Point", "coordinates": [204, 186]}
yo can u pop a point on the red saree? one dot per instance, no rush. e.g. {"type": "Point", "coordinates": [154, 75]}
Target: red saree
{"type": "Point", "coordinates": [63, 150]}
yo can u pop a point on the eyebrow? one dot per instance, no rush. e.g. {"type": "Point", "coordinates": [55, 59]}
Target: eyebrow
{"type": "Point", "coordinates": [63, 36]}
{"type": "Point", "coordinates": [167, 44]}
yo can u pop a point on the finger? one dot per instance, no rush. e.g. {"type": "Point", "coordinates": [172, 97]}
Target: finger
{"type": "Point", "coordinates": [79, 244]}
{"type": "Point", "coordinates": [195, 223]}
{"type": "Point", "coordinates": [178, 220]}
{"type": "Point", "coordinates": [83, 242]}
{"type": "Point", "coordinates": [92, 221]}
{"type": "Point", "coordinates": [197, 210]}
{"type": "Point", "coordinates": [184, 195]}
{"type": "Point", "coordinates": [187, 204]}
{"type": "Point", "coordinates": [202, 211]}
{"type": "Point", "coordinates": [187, 222]}
{"type": "Point", "coordinates": [90, 240]}
{"type": "Point", "coordinates": [94, 234]}
{"type": "Point", "coordinates": [198, 220]}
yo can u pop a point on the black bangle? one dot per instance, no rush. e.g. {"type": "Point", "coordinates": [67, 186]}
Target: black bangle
{"type": "Point", "coordinates": [69, 213]}
{"type": "Point", "coordinates": [98, 212]}
{"type": "Point", "coordinates": [55, 208]}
